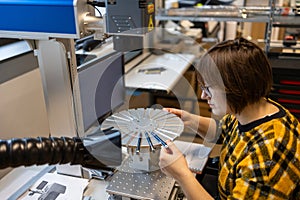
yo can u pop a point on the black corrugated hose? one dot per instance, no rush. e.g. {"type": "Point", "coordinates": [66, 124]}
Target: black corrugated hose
{"type": "Point", "coordinates": [41, 150]}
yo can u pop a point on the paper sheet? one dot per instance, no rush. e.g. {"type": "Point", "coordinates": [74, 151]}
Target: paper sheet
{"type": "Point", "coordinates": [195, 154]}
{"type": "Point", "coordinates": [56, 187]}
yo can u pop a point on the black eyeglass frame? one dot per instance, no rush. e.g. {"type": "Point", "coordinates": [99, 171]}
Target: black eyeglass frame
{"type": "Point", "coordinates": [206, 90]}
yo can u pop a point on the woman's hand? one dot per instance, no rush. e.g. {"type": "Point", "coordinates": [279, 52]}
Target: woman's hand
{"type": "Point", "coordinates": [173, 163]}
{"type": "Point", "coordinates": [190, 121]}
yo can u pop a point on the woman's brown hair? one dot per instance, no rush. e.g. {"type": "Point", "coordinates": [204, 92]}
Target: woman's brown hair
{"type": "Point", "coordinates": [244, 69]}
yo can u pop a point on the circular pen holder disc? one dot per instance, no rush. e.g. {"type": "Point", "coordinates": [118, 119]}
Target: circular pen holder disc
{"type": "Point", "coordinates": [142, 126]}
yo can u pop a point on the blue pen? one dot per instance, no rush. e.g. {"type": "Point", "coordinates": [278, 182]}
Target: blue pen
{"type": "Point", "coordinates": [160, 140]}
{"type": "Point", "coordinates": [138, 146]}
{"type": "Point", "coordinates": [149, 142]}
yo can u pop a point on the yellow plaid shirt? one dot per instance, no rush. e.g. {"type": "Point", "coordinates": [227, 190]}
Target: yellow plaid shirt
{"type": "Point", "coordinates": [260, 160]}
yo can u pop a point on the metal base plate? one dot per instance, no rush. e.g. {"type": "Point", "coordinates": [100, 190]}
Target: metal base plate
{"type": "Point", "coordinates": [151, 185]}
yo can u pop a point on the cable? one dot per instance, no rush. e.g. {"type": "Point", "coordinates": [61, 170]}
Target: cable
{"type": "Point", "coordinates": [98, 10]}
{"type": "Point", "coordinates": [96, 4]}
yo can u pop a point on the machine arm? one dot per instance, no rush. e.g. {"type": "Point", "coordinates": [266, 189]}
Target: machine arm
{"type": "Point", "coordinates": [52, 150]}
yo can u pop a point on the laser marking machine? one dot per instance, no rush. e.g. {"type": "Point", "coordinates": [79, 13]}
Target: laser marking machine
{"type": "Point", "coordinates": [51, 29]}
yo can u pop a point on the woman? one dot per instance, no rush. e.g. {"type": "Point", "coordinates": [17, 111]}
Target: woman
{"type": "Point", "coordinates": [261, 143]}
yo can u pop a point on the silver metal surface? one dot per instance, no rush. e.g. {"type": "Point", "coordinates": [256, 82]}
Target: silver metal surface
{"type": "Point", "coordinates": [14, 49]}
{"type": "Point", "coordinates": [55, 73]}
{"type": "Point", "coordinates": [128, 182]}
{"type": "Point", "coordinates": [135, 123]}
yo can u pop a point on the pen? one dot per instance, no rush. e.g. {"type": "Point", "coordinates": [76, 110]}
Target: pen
{"type": "Point", "coordinates": [138, 146]}
{"type": "Point", "coordinates": [160, 140]}
{"type": "Point", "coordinates": [149, 142]}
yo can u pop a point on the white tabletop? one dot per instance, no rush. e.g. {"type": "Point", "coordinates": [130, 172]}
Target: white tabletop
{"type": "Point", "coordinates": [174, 64]}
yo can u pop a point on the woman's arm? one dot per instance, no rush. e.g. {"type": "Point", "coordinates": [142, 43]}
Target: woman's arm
{"type": "Point", "coordinates": [173, 163]}
{"type": "Point", "coordinates": [204, 126]}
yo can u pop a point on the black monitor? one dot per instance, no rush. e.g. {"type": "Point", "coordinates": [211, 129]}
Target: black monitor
{"type": "Point", "coordinates": [102, 88]}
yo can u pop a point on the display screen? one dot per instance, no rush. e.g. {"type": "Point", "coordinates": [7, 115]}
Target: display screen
{"type": "Point", "coordinates": [102, 88]}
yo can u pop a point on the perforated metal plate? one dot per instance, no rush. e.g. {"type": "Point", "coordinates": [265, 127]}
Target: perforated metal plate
{"type": "Point", "coordinates": [152, 185]}
{"type": "Point", "coordinates": [138, 126]}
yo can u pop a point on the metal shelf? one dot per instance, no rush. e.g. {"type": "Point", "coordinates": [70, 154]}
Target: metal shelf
{"type": "Point", "coordinates": [286, 21]}
{"type": "Point", "coordinates": [228, 13]}
{"type": "Point", "coordinates": [216, 13]}
{"type": "Point", "coordinates": [265, 14]}
{"type": "Point", "coordinates": [208, 18]}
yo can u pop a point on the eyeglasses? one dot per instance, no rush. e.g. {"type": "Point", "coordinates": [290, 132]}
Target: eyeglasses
{"type": "Point", "coordinates": [206, 90]}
